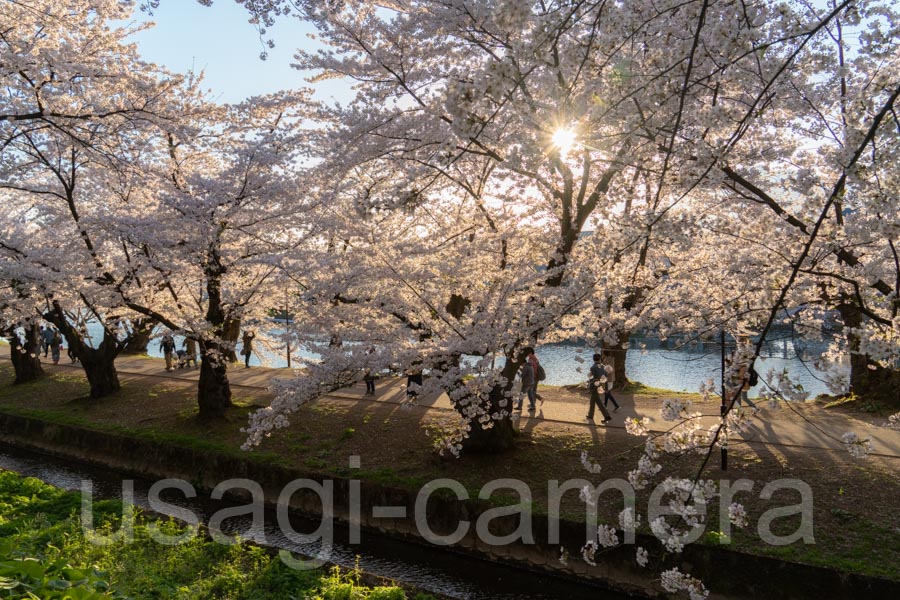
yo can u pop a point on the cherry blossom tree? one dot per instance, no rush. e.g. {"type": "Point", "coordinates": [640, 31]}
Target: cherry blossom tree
{"type": "Point", "coordinates": [579, 116]}
{"type": "Point", "coordinates": [70, 258]}
{"type": "Point", "coordinates": [68, 66]}
{"type": "Point", "coordinates": [836, 130]}
{"type": "Point", "coordinates": [224, 212]}
{"type": "Point", "coordinates": [507, 171]}
{"type": "Point", "coordinates": [717, 121]}
{"type": "Point", "coordinates": [19, 300]}
{"type": "Point", "coordinates": [77, 104]}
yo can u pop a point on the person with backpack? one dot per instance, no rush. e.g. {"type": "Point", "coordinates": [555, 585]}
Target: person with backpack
{"type": "Point", "coordinates": [190, 352]}
{"type": "Point", "coordinates": [609, 365]}
{"type": "Point", "coordinates": [537, 369]}
{"type": "Point", "coordinates": [369, 378]}
{"type": "Point", "coordinates": [167, 345]}
{"type": "Point", "coordinates": [749, 378]}
{"type": "Point", "coordinates": [528, 387]}
{"type": "Point", "coordinates": [597, 383]}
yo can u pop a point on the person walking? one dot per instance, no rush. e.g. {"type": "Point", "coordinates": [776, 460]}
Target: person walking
{"type": "Point", "coordinates": [368, 373]}
{"type": "Point", "coordinates": [369, 378]}
{"type": "Point", "coordinates": [247, 346]}
{"type": "Point", "coordinates": [596, 380]}
{"type": "Point", "coordinates": [528, 386]}
{"type": "Point", "coordinates": [190, 352]}
{"type": "Point", "coordinates": [46, 336]}
{"type": "Point", "coordinates": [55, 344]}
{"type": "Point", "coordinates": [741, 378]}
{"type": "Point", "coordinates": [745, 375]}
{"type": "Point", "coordinates": [167, 345]}
{"type": "Point", "coordinates": [609, 366]}
{"type": "Point", "coordinates": [537, 369]}
{"type": "Point", "coordinates": [413, 383]}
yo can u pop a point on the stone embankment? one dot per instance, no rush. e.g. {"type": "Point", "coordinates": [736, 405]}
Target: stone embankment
{"type": "Point", "coordinates": [391, 512]}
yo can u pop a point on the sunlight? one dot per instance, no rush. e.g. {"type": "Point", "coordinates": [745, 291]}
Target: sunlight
{"type": "Point", "coordinates": [563, 139]}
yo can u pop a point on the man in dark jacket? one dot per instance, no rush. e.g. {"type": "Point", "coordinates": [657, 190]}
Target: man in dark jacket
{"type": "Point", "coordinates": [597, 383]}
{"type": "Point", "coordinates": [529, 381]}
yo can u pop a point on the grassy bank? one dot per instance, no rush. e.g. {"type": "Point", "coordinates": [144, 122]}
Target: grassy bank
{"type": "Point", "coordinates": [855, 517]}
{"type": "Point", "coordinates": [44, 554]}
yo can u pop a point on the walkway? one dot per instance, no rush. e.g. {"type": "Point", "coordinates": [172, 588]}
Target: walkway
{"type": "Point", "coordinates": [816, 428]}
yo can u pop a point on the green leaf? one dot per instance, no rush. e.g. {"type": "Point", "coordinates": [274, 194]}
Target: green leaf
{"type": "Point", "coordinates": [31, 567]}
{"type": "Point", "coordinates": [57, 584]}
{"type": "Point", "coordinates": [71, 574]}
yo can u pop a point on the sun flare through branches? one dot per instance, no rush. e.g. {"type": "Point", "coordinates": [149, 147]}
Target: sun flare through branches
{"type": "Point", "coordinates": [564, 139]}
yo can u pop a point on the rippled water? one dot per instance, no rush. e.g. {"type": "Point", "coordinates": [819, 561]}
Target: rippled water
{"type": "Point", "coordinates": [649, 361]}
{"type": "Point", "coordinates": [686, 368]}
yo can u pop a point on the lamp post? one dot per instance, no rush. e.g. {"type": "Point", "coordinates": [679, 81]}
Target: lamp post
{"type": "Point", "coordinates": [287, 329]}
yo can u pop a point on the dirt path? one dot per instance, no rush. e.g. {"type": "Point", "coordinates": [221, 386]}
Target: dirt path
{"type": "Point", "coordinates": [799, 425]}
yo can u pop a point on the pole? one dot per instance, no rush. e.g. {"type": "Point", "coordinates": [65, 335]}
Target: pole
{"type": "Point", "coordinates": [724, 407]}
{"type": "Point", "coordinates": [287, 329]}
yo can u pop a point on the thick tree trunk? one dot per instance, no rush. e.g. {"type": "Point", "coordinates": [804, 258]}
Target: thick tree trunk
{"type": "Point", "coordinates": [25, 355]}
{"type": "Point", "coordinates": [619, 353]}
{"type": "Point", "coordinates": [501, 436]}
{"type": "Point", "coordinates": [139, 340]}
{"type": "Point", "coordinates": [214, 390]}
{"type": "Point", "coordinates": [98, 363]}
{"type": "Point", "coordinates": [877, 383]}
{"type": "Point", "coordinates": [101, 373]}
{"type": "Point", "coordinates": [231, 331]}
{"type": "Point", "coordinates": [867, 379]}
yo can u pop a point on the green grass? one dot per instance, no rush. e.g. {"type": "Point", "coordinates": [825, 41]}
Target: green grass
{"type": "Point", "coordinates": [44, 554]}
{"type": "Point", "coordinates": [870, 540]}
{"type": "Point", "coordinates": [636, 387]}
{"type": "Point", "coordinates": [389, 477]}
{"type": "Point", "coordinates": [858, 404]}
{"type": "Point", "coordinates": [186, 441]}
{"type": "Point", "coordinates": [851, 542]}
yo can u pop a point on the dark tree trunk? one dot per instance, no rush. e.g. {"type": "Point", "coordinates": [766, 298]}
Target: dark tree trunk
{"type": "Point", "coordinates": [501, 436]}
{"type": "Point", "coordinates": [98, 363]}
{"type": "Point", "coordinates": [632, 298]}
{"type": "Point", "coordinates": [101, 374]}
{"type": "Point", "coordinates": [139, 340]}
{"type": "Point", "coordinates": [25, 355]}
{"type": "Point", "coordinates": [619, 352]}
{"type": "Point", "coordinates": [867, 379]}
{"type": "Point", "coordinates": [214, 390]}
{"type": "Point", "coordinates": [231, 331]}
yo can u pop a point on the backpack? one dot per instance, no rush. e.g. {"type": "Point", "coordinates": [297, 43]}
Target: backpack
{"type": "Point", "coordinates": [753, 378]}
{"type": "Point", "coordinates": [541, 374]}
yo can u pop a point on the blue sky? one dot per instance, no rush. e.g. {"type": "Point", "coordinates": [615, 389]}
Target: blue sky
{"type": "Point", "coordinates": [220, 41]}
